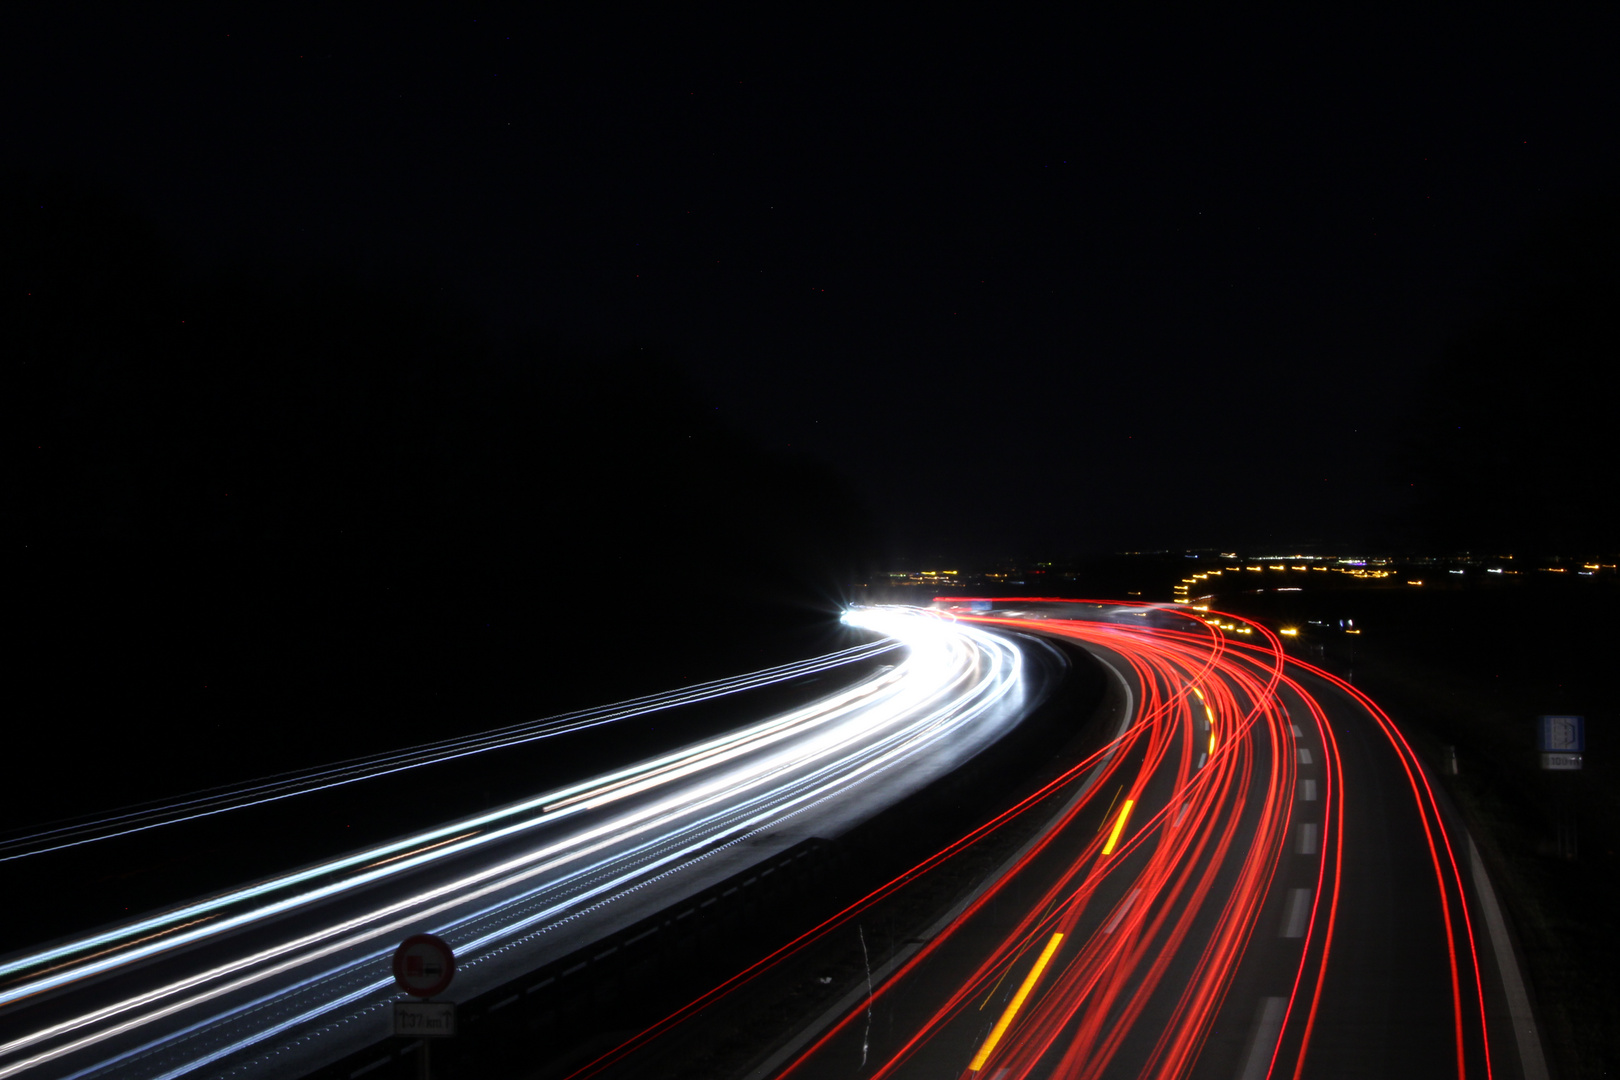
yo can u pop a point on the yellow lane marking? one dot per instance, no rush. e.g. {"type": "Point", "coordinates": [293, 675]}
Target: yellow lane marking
{"type": "Point", "coordinates": [1119, 827]}
{"type": "Point", "coordinates": [1017, 1002]}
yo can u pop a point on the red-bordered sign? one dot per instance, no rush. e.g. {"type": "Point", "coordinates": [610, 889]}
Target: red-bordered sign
{"type": "Point", "coordinates": [423, 965]}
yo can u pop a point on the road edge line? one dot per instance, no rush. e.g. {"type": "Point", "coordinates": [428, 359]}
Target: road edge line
{"type": "Point", "coordinates": [1531, 1059]}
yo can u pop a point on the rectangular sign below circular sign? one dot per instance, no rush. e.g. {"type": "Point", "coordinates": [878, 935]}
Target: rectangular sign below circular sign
{"type": "Point", "coordinates": [425, 1019]}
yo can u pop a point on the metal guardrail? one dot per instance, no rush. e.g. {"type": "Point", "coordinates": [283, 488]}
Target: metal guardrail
{"type": "Point", "coordinates": [548, 997]}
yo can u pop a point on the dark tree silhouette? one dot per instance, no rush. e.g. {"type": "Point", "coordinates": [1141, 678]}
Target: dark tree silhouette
{"type": "Point", "coordinates": [317, 496]}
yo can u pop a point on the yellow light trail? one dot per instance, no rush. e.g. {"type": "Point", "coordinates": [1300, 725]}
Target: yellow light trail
{"type": "Point", "coordinates": [1018, 999]}
{"type": "Point", "coordinates": [415, 851]}
{"type": "Point", "coordinates": [1119, 827]}
{"type": "Point", "coordinates": [1110, 809]}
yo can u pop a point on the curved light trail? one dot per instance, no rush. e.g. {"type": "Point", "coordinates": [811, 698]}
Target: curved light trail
{"type": "Point", "coordinates": [267, 968]}
{"type": "Point", "coordinates": [223, 799]}
{"type": "Point", "coordinates": [1179, 913]}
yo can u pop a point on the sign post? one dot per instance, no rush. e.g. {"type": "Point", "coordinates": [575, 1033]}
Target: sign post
{"type": "Point", "coordinates": [1562, 742]}
{"type": "Point", "coordinates": [423, 967]}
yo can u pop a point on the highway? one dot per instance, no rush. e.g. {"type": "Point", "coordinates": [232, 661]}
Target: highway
{"type": "Point", "coordinates": [1254, 877]}
{"type": "Point", "coordinates": [283, 974]}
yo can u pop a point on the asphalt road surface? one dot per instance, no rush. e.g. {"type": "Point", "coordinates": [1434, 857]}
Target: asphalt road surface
{"type": "Point", "coordinates": [283, 974]}
{"type": "Point", "coordinates": [1255, 878]}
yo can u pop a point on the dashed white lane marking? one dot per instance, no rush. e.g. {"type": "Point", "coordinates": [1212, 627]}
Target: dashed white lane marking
{"type": "Point", "coordinates": [1182, 812]}
{"type": "Point", "coordinates": [1297, 912]}
{"type": "Point", "coordinates": [1295, 729]}
{"type": "Point", "coordinates": [1524, 1021]}
{"type": "Point", "coordinates": [1267, 1025]}
{"type": "Point", "coordinates": [1304, 756]}
{"type": "Point", "coordinates": [1307, 839]}
{"type": "Point", "coordinates": [1307, 790]}
{"type": "Point", "coordinates": [1120, 914]}
{"type": "Point", "coordinates": [1203, 758]}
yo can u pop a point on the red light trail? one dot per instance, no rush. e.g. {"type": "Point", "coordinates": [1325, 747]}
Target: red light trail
{"type": "Point", "coordinates": [1139, 931]}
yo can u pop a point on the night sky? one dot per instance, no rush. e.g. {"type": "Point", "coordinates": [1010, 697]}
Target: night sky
{"type": "Point", "coordinates": [1033, 288]}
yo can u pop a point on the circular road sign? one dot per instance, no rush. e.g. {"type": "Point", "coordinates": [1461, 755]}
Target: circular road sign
{"type": "Point", "coordinates": [423, 965]}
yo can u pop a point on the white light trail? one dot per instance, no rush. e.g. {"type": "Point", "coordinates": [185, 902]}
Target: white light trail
{"type": "Point", "coordinates": [292, 784]}
{"type": "Point", "coordinates": [591, 841]}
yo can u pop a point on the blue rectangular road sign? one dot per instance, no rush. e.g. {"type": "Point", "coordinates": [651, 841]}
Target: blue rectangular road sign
{"type": "Point", "coordinates": [1563, 735]}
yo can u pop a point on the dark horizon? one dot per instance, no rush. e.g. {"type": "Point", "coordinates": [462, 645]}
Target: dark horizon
{"type": "Point", "coordinates": [1195, 285]}
{"type": "Point", "coordinates": [1557, 273]}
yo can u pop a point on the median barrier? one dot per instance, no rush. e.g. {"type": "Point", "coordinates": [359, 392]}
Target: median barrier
{"type": "Point", "coordinates": [563, 1014]}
